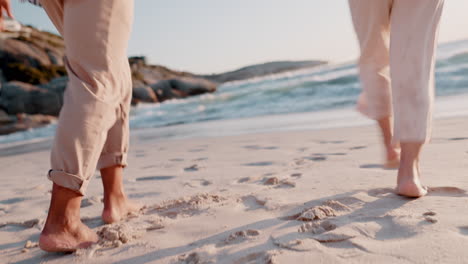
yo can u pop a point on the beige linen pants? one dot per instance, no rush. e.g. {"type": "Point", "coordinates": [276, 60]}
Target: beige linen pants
{"type": "Point", "coordinates": [397, 39]}
{"type": "Point", "coordinates": [93, 126]}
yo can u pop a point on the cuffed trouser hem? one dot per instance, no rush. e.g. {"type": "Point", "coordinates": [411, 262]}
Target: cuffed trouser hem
{"type": "Point", "coordinates": [112, 159]}
{"type": "Point", "coordinates": [67, 180]}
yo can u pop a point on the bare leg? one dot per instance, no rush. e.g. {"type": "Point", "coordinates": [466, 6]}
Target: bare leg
{"type": "Point", "coordinates": [392, 155]}
{"type": "Point", "coordinates": [408, 181]}
{"type": "Point", "coordinates": [63, 230]}
{"type": "Point", "coordinates": [116, 204]}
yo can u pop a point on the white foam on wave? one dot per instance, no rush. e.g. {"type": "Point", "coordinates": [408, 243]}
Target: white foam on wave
{"type": "Point", "coordinates": [31, 135]}
{"type": "Point", "coordinates": [319, 73]}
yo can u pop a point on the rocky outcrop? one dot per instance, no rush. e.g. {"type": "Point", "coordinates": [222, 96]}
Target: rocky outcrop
{"type": "Point", "coordinates": [17, 98]}
{"type": "Point", "coordinates": [34, 80]}
{"type": "Point", "coordinates": [143, 93]}
{"type": "Point", "coordinates": [157, 83]}
{"type": "Point", "coordinates": [34, 58]}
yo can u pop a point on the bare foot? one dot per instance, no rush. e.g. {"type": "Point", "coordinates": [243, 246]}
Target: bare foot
{"type": "Point", "coordinates": [63, 230]}
{"type": "Point", "coordinates": [412, 189]}
{"type": "Point", "coordinates": [408, 182]}
{"type": "Point", "coordinates": [117, 208]}
{"type": "Point", "coordinates": [116, 204]}
{"type": "Point", "coordinates": [69, 238]}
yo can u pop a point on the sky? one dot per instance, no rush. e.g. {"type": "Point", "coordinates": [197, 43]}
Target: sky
{"type": "Point", "coordinates": [213, 36]}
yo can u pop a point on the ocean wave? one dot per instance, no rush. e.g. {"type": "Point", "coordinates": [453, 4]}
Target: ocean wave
{"type": "Point", "coordinates": [326, 87]}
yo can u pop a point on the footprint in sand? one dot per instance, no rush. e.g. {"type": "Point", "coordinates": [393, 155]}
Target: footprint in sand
{"type": "Point", "coordinates": [149, 167]}
{"type": "Point", "coordinates": [14, 200]}
{"type": "Point", "coordinates": [317, 228]}
{"type": "Point", "coordinates": [244, 180]}
{"type": "Point", "coordinates": [290, 242]}
{"type": "Point", "coordinates": [198, 183]}
{"type": "Point", "coordinates": [330, 154]}
{"type": "Point", "coordinates": [257, 257]}
{"type": "Point", "coordinates": [259, 164]}
{"type": "Point", "coordinates": [252, 202]}
{"type": "Point", "coordinates": [25, 224]}
{"type": "Point", "coordinates": [252, 179]}
{"type": "Point", "coordinates": [185, 206]}
{"type": "Point", "coordinates": [303, 160]}
{"type": "Point", "coordinates": [296, 175]}
{"type": "Point", "coordinates": [274, 181]}
{"type": "Point", "coordinates": [257, 147]}
{"type": "Point", "coordinates": [332, 142]}
{"type": "Point", "coordinates": [327, 209]}
{"type": "Point", "coordinates": [357, 147]}
{"type": "Point", "coordinates": [192, 258]}
{"type": "Point", "coordinates": [430, 213]}
{"type": "Point", "coordinates": [299, 162]}
{"type": "Point", "coordinates": [388, 227]}
{"type": "Point", "coordinates": [371, 166]}
{"type": "Point", "coordinates": [316, 158]}
{"type": "Point", "coordinates": [430, 219]}
{"type": "Point", "coordinates": [338, 154]}
{"type": "Point", "coordinates": [458, 138]}
{"type": "Point", "coordinates": [329, 238]}
{"type": "Point", "coordinates": [192, 168]}
{"type": "Point", "coordinates": [446, 191]}
{"type": "Point", "coordinates": [200, 159]}
{"type": "Point", "coordinates": [203, 255]}
{"type": "Point", "coordinates": [155, 178]}
{"type": "Point", "coordinates": [155, 224]}
{"type": "Point", "coordinates": [142, 195]}
{"type": "Point", "coordinates": [196, 150]}
{"type": "Point", "coordinates": [381, 192]}
{"type": "Point", "coordinates": [239, 237]}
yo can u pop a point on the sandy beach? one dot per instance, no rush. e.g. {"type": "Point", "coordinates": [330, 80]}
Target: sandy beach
{"type": "Point", "coordinates": [317, 196]}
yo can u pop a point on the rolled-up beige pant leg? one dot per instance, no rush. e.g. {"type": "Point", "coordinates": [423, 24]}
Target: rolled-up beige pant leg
{"type": "Point", "coordinates": [96, 37]}
{"type": "Point", "coordinates": [117, 143]}
{"type": "Point", "coordinates": [371, 20]}
{"type": "Point", "coordinates": [414, 30]}
{"type": "Point", "coordinates": [116, 147]}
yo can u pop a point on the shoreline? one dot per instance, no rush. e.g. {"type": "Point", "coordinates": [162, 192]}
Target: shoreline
{"type": "Point", "coordinates": [445, 107]}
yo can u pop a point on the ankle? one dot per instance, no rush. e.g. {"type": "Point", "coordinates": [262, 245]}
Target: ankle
{"type": "Point", "coordinates": [114, 199]}
{"type": "Point", "coordinates": [56, 225]}
{"type": "Point", "coordinates": [115, 194]}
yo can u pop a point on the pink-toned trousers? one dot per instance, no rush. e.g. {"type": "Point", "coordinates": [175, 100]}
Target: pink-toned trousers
{"type": "Point", "coordinates": [93, 126]}
{"type": "Point", "coordinates": [398, 40]}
